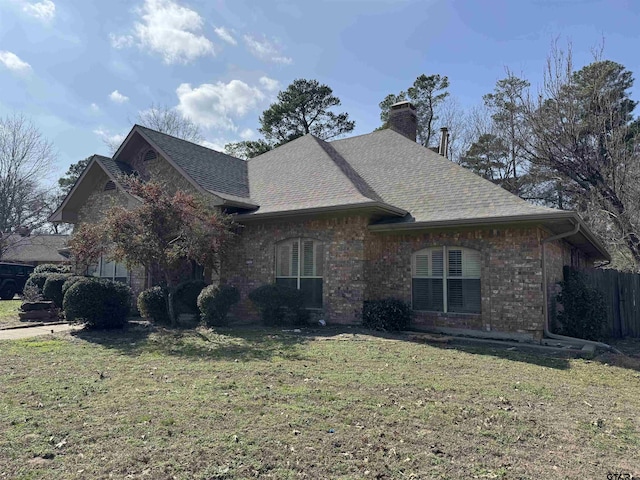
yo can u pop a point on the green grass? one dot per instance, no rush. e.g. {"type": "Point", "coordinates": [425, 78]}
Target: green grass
{"type": "Point", "coordinates": [9, 313]}
{"type": "Point", "coordinates": [268, 404]}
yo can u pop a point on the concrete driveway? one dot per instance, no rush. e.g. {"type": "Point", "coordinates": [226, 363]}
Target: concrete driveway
{"type": "Point", "coordinates": [17, 333]}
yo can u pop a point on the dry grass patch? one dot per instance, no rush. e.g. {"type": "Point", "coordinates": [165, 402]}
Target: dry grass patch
{"type": "Point", "coordinates": [269, 404]}
{"type": "Point", "coordinates": [9, 313]}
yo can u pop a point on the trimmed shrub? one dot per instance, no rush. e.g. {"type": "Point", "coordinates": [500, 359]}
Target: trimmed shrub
{"type": "Point", "coordinates": [52, 268]}
{"type": "Point", "coordinates": [215, 302]}
{"type": "Point", "coordinates": [389, 314]}
{"type": "Point", "coordinates": [70, 281]}
{"type": "Point", "coordinates": [279, 305]}
{"type": "Point", "coordinates": [52, 288]}
{"type": "Point", "coordinates": [101, 304]}
{"type": "Point", "coordinates": [185, 297]}
{"type": "Point", "coordinates": [583, 312]}
{"type": "Point", "coordinates": [153, 306]}
{"type": "Point", "coordinates": [37, 280]}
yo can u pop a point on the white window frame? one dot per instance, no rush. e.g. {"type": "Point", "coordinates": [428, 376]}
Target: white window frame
{"type": "Point", "coordinates": [445, 271]}
{"type": "Point", "coordinates": [300, 274]}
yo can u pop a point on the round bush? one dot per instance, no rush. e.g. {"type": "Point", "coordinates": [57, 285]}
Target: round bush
{"type": "Point", "coordinates": [37, 280]}
{"type": "Point", "coordinates": [215, 302]}
{"type": "Point", "coordinates": [389, 314]}
{"type": "Point", "coordinates": [52, 268]}
{"type": "Point", "coordinates": [279, 305]}
{"type": "Point", "coordinates": [186, 296]}
{"type": "Point", "coordinates": [153, 306]}
{"type": "Point", "coordinates": [101, 304]}
{"type": "Point", "coordinates": [70, 281]}
{"type": "Point", "coordinates": [52, 289]}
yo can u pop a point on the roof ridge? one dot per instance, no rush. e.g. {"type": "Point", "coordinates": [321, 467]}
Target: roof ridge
{"type": "Point", "coordinates": [173, 137]}
{"type": "Point", "coordinates": [347, 169]}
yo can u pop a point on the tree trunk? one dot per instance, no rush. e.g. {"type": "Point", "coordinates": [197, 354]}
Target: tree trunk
{"type": "Point", "coordinates": [168, 298]}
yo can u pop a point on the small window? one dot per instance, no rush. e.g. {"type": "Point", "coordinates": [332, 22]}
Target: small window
{"type": "Point", "coordinates": [150, 155]}
{"type": "Point", "coordinates": [446, 279]}
{"type": "Point", "coordinates": [109, 269]}
{"type": "Point", "coordinates": [299, 264]}
{"type": "Point", "coordinates": [110, 185]}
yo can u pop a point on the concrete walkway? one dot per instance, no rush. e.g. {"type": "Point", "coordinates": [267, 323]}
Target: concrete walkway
{"type": "Point", "coordinates": [16, 333]}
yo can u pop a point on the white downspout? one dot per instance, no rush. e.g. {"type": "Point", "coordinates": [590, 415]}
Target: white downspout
{"type": "Point", "coordinates": [545, 295]}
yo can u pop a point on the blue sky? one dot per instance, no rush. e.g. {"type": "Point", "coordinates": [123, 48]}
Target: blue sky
{"type": "Point", "coordinates": [82, 70]}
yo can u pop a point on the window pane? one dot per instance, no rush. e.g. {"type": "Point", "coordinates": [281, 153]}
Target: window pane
{"type": "Point", "coordinates": [455, 263]}
{"type": "Point", "coordinates": [421, 265]}
{"type": "Point", "coordinates": [471, 264]}
{"type": "Point", "coordinates": [312, 289]}
{"type": "Point", "coordinates": [463, 295]}
{"type": "Point", "coordinates": [287, 282]}
{"type": "Point", "coordinates": [107, 268]}
{"type": "Point", "coordinates": [428, 294]}
{"type": "Point", "coordinates": [121, 270]}
{"type": "Point", "coordinates": [307, 258]}
{"type": "Point", "coordinates": [283, 266]}
{"type": "Point", "coordinates": [437, 262]}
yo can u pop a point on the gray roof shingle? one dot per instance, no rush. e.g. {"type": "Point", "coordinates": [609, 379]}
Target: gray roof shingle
{"type": "Point", "coordinates": [214, 171]}
{"type": "Point", "coordinates": [429, 186]}
{"type": "Point", "coordinates": [303, 174]}
{"type": "Point", "coordinates": [115, 167]}
{"type": "Point", "coordinates": [35, 248]}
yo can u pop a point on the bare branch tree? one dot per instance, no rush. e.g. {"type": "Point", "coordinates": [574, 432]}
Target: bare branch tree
{"type": "Point", "coordinates": [168, 120]}
{"type": "Point", "coordinates": [25, 160]}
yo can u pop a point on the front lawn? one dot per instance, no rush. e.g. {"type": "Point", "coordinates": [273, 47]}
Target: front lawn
{"type": "Point", "coordinates": [273, 404]}
{"type": "Point", "coordinates": [9, 313]}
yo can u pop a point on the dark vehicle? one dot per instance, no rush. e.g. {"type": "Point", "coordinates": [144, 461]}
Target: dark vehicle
{"type": "Point", "coordinates": [13, 276]}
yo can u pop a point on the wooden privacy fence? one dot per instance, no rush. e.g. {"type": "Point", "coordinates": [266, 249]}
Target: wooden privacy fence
{"type": "Point", "coordinates": [622, 298]}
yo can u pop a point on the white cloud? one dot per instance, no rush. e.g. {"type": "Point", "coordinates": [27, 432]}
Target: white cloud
{"type": "Point", "coordinates": [217, 105]}
{"type": "Point", "coordinates": [225, 35]}
{"type": "Point", "coordinates": [94, 108]}
{"type": "Point", "coordinates": [109, 138]}
{"type": "Point", "coordinates": [247, 134]}
{"type": "Point", "coordinates": [117, 97]}
{"type": "Point", "coordinates": [217, 144]}
{"type": "Point", "coordinates": [44, 11]}
{"type": "Point", "coordinates": [168, 29]}
{"type": "Point", "coordinates": [121, 41]}
{"type": "Point", "coordinates": [13, 62]}
{"type": "Point", "coordinates": [266, 50]}
{"type": "Point", "coordinates": [269, 84]}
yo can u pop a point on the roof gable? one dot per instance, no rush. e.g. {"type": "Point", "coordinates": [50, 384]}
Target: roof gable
{"type": "Point", "coordinates": [306, 173]}
{"type": "Point", "coordinates": [213, 171]}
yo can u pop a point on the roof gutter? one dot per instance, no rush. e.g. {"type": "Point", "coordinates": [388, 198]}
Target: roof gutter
{"type": "Point", "coordinates": [317, 210]}
{"type": "Point", "coordinates": [545, 295]}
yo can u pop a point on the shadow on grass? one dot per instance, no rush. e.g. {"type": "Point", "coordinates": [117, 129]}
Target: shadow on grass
{"type": "Point", "coordinates": [228, 344]}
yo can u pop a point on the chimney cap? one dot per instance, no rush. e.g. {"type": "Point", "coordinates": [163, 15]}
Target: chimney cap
{"type": "Point", "coordinates": [444, 129]}
{"type": "Point", "coordinates": [403, 104]}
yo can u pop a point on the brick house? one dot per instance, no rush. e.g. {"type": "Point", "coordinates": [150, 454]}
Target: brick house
{"type": "Point", "coordinates": [361, 218]}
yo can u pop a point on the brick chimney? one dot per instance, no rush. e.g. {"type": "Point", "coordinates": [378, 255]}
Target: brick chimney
{"type": "Point", "coordinates": [402, 119]}
{"type": "Point", "coordinates": [444, 142]}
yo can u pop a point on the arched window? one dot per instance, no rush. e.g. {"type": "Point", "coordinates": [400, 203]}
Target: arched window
{"type": "Point", "coordinates": [446, 279]}
{"type": "Point", "coordinates": [150, 155]}
{"type": "Point", "coordinates": [299, 264]}
{"type": "Point", "coordinates": [110, 185]}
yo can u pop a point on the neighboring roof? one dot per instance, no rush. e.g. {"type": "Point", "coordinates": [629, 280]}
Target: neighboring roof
{"type": "Point", "coordinates": [307, 174]}
{"type": "Point", "coordinates": [35, 248]}
{"type": "Point", "coordinates": [214, 171]}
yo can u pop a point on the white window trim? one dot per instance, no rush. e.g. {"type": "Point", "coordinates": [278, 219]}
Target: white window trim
{"type": "Point", "coordinates": [300, 275]}
{"type": "Point", "coordinates": [445, 275]}
{"type": "Point", "coordinates": [98, 271]}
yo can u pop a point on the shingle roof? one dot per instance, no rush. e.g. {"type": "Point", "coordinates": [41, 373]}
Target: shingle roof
{"type": "Point", "coordinates": [304, 174]}
{"type": "Point", "coordinates": [424, 183]}
{"type": "Point", "coordinates": [35, 248]}
{"type": "Point", "coordinates": [115, 167]}
{"type": "Point", "coordinates": [214, 171]}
